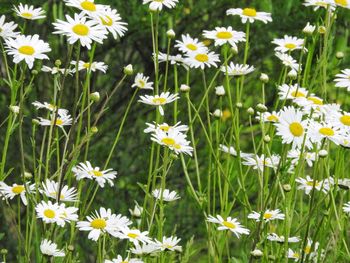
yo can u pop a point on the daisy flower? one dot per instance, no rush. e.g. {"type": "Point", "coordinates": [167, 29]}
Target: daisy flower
{"type": "Point", "coordinates": [120, 259]}
{"type": "Point", "coordinates": [292, 128]}
{"type": "Point", "coordinates": [145, 249]}
{"type": "Point", "coordinates": [174, 140]}
{"type": "Point", "coordinates": [339, 119]}
{"type": "Point", "coordinates": [229, 224]}
{"type": "Point", "coordinates": [68, 214]}
{"type": "Point", "coordinates": [81, 29]}
{"type": "Point", "coordinates": [136, 211]}
{"type": "Point", "coordinates": [6, 29]}
{"type": "Point", "coordinates": [308, 251]}
{"type": "Point", "coordinates": [288, 44]}
{"type": "Point", "coordinates": [87, 7]}
{"type": "Point", "coordinates": [165, 127]}
{"type": "Point", "coordinates": [50, 189]}
{"type": "Point", "coordinates": [280, 239]}
{"type": "Point", "coordinates": [51, 107]}
{"type": "Point", "coordinates": [309, 157]}
{"type": "Point", "coordinates": [293, 255]}
{"type": "Point", "coordinates": [169, 243]}
{"type": "Point", "coordinates": [259, 162]}
{"type": "Point", "coordinates": [9, 192]}
{"type": "Point", "coordinates": [237, 69]}
{"type": "Point", "coordinates": [54, 70]}
{"type": "Point", "coordinates": [50, 213]}
{"type": "Point", "coordinates": [316, 4]}
{"type": "Point", "coordinates": [319, 131]}
{"type": "Point", "coordinates": [308, 184]}
{"type": "Point", "coordinates": [288, 61]}
{"type": "Point", "coordinates": [159, 100]}
{"type": "Point", "coordinates": [309, 29]}
{"type": "Point", "coordinates": [199, 59]}
{"type": "Point", "coordinates": [343, 79]}
{"type": "Point", "coordinates": [310, 102]}
{"type": "Point", "coordinates": [189, 44]}
{"type": "Point", "coordinates": [49, 248]}
{"type": "Point", "coordinates": [228, 149]}
{"type": "Point", "coordinates": [62, 119]}
{"type": "Point", "coordinates": [134, 235]}
{"type": "Point", "coordinates": [250, 15]}
{"type": "Point", "coordinates": [82, 65]}
{"type": "Point", "coordinates": [141, 82]}
{"type": "Point", "coordinates": [85, 170]}
{"type": "Point", "coordinates": [268, 116]}
{"type": "Point", "coordinates": [174, 60]}
{"type": "Point", "coordinates": [27, 48]}
{"type": "Point", "coordinates": [29, 12]}
{"type": "Point", "coordinates": [165, 195]}
{"type": "Point", "coordinates": [223, 35]}
{"type": "Point", "coordinates": [342, 3]}
{"type": "Point", "coordinates": [158, 4]}
{"type": "Point", "coordinates": [267, 216]}
{"type": "Point", "coordinates": [346, 208]}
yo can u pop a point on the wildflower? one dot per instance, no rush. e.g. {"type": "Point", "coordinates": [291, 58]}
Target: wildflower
{"type": "Point", "coordinates": [9, 192]}
{"type": "Point", "coordinates": [14, 109]}
{"type": "Point", "coordinates": [309, 29]}
{"type": "Point", "coordinates": [80, 29]}
{"type": "Point", "coordinates": [259, 162]}
{"type": "Point", "coordinates": [281, 239]}
{"type": "Point", "coordinates": [165, 127]}
{"type": "Point", "coordinates": [177, 59]}
{"type": "Point", "coordinates": [54, 70]}
{"type": "Point", "coordinates": [51, 107]}
{"type": "Point", "coordinates": [6, 29]}
{"type": "Point", "coordinates": [288, 44]}
{"type": "Point", "coordinates": [85, 170]}
{"type": "Point", "coordinates": [29, 12]}
{"type": "Point", "coordinates": [87, 7]}
{"type": "Point", "coordinates": [128, 70]}
{"type": "Point", "coordinates": [158, 5]}
{"type": "Point", "coordinates": [220, 90]}
{"type": "Point", "coordinates": [165, 195]}
{"type": "Point", "coordinates": [170, 33]}
{"type": "Point", "coordinates": [267, 216]}
{"type": "Point", "coordinates": [319, 131]}
{"type": "Point", "coordinates": [169, 243]}
{"type": "Point", "coordinates": [51, 188]}
{"type": "Point", "coordinates": [27, 48]}
{"type": "Point", "coordinates": [293, 255]}
{"type": "Point", "coordinates": [319, 4]}
{"type": "Point", "coordinates": [145, 249]}
{"type": "Point", "coordinates": [141, 82]}
{"type": "Point", "coordinates": [62, 119]}
{"type": "Point", "coordinates": [295, 155]}
{"type": "Point", "coordinates": [189, 44]}
{"type": "Point", "coordinates": [137, 211]}
{"type": "Point", "coordinates": [49, 248]}
{"type": "Point", "coordinates": [159, 100]}
{"type": "Point", "coordinates": [217, 113]}
{"type": "Point", "coordinates": [229, 224]}
{"type": "Point", "coordinates": [268, 117]}
{"type": "Point", "coordinates": [223, 35]}
{"type": "Point", "coordinates": [50, 213]}
{"type": "Point", "coordinates": [250, 15]}
{"type": "Point", "coordinates": [134, 235]}
{"type": "Point", "coordinates": [120, 259]}
{"type": "Point", "coordinates": [288, 61]}
{"type": "Point", "coordinates": [343, 79]}
{"type": "Point", "coordinates": [199, 59]}
{"type": "Point", "coordinates": [264, 78]}
{"type": "Point", "coordinates": [342, 3]}
{"type": "Point", "coordinates": [237, 69]}
{"type": "Point", "coordinates": [346, 208]}
{"type": "Point", "coordinates": [93, 66]}
{"type": "Point", "coordinates": [308, 184]}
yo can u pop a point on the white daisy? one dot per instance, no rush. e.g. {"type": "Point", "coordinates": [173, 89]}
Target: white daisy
{"type": "Point", "coordinates": [158, 4]}
{"type": "Point", "coordinates": [309, 29]}
{"type": "Point", "coordinates": [145, 249]}
{"type": "Point", "coordinates": [237, 69]}
{"type": "Point", "coordinates": [342, 3]}
{"type": "Point", "coordinates": [288, 61]}
{"type": "Point", "coordinates": [198, 59]}
{"type": "Point", "coordinates": [51, 107]}
{"type": "Point", "coordinates": [223, 35]}
{"type": "Point", "coordinates": [141, 82]}
{"type": "Point", "coordinates": [159, 100]}
{"type": "Point", "coordinates": [308, 184]}
{"type": "Point", "coordinates": [81, 29]}
{"type": "Point", "coordinates": [288, 44]}
{"type": "Point", "coordinates": [319, 4]}
{"type": "Point", "coordinates": [134, 235]}
{"type": "Point", "coordinates": [49, 248]}
{"type": "Point", "coordinates": [346, 208]}
{"type": "Point", "coordinates": [68, 214]}
{"type": "Point", "coordinates": [51, 188]}
{"type": "Point", "coordinates": [27, 48]}
{"type": "Point", "coordinates": [177, 59]}
{"type": "Point", "coordinates": [54, 70]}
{"type": "Point", "coordinates": [87, 7]}
{"type": "Point", "coordinates": [189, 44]}
{"type": "Point", "coordinates": [294, 155]}
{"type": "Point", "coordinates": [6, 29]}
{"type": "Point", "coordinates": [120, 259]}
{"type": "Point", "coordinates": [229, 224]}
{"type": "Point", "coordinates": [319, 131]}
{"type": "Point", "coordinates": [343, 79]}
{"type": "Point", "coordinates": [9, 192]}
{"type": "Point", "coordinates": [93, 66]}
{"type": "Point", "coordinates": [250, 15]}
{"type": "Point", "coordinates": [293, 255]}
{"type": "Point", "coordinates": [165, 195]}
{"type": "Point", "coordinates": [85, 170]}
{"type": "Point", "coordinates": [169, 243]}
{"type": "Point", "coordinates": [280, 239]}
{"type": "Point", "coordinates": [153, 127]}
{"type": "Point", "coordinates": [259, 162]}
{"type": "Point", "coordinates": [29, 12]}
{"type": "Point", "coordinates": [62, 119]}
{"type": "Point", "coordinates": [50, 213]}
{"type": "Point", "coordinates": [268, 116]}
{"type": "Point", "coordinates": [267, 216]}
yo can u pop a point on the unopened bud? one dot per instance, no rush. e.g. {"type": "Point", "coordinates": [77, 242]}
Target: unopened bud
{"type": "Point", "coordinates": [95, 96]}
{"type": "Point", "coordinates": [3, 251]}
{"type": "Point", "coordinates": [28, 175]}
{"type": "Point", "coordinates": [14, 109]}
{"type": "Point", "coordinates": [217, 113]}
{"type": "Point", "coordinates": [323, 153]}
{"type": "Point", "coordinates": [185, 88]}
{"type": "Point", "coordinates": [34, 72]}
{"type": "Point", "coordinates": [94, 129]}
{"type": "Point", "coordinates": [309, 29]}
{"type": "Point", "coordinates": [220, 90]}
{"type": "Point", "coordinates": [339, 55]}
{"type": "Point", "coordinates": [35, 122]}
{"type": "Point", "coordinates": [261, 107]}
{"type": "Point", "coordinates": [293, 74]}
{"type": "Point", "coordinates": [257, 253]}
{"type": "Point", "coordinates": [239, 105]}
{"type": "Point", "coordinates": [128, 70]}
{"type": "Point", "coordinates": [264, 78]}
{"type": "Point", "coordinates": [170, 33]}
{"type": "Point", "coordinates": [287, 187]}
{"type": "Point", "coordinates": [70, 248]}
{"type": "Point", "coordinates": [58, 63]}
{"type": "Point", "coordinates": [322, 30]}
{"type": "Point", "coordinates": [250, 111]}
{"type": "Point", "coordinates": [234, 50]}
{"type": "Point", "coordinates": [267, 138]}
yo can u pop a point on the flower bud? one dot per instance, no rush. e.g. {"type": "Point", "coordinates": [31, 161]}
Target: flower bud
{"type": "Point", "coordinates": [94, 129]}
{"type": "Point", "coordinates": [323, 153]}
{"type": "Point", "coordinates": [137, 211]}
{"type": "Point", "coordinates": [234, 50]}
{"type": "Point", "coordinates": [170, 33]}
{"type": "Point", "coordinates": [267, 138]}
{"type": "Point", "coordinates": [34, 72]}
{"type": "Point", "coordinates": [95, 96]}
{"type": "Point", "coordinates": [185, 88]}
{"type": "Point", "coordinates": [35, 122]}
{"type": "Point", "coordinates": [339, 55]}
{"type": "Point", "coordinates": [257, 253]}
{"type": "Point", "coordinates": [261, 107]}
{"type": "Point", "coordinates": [322, 30]}
{"type": "Point", "coordinates": [220, 90]}
{"type": "Point", "coordinates": [14, 109]}
{"type": "Point", "coordinates": [293, 74]}
{"type": "Point", "coordinates": [217, 113]}
{"type": "Point", "coordinates": [309, 29]}
{"type": "Point", "coordinates": [128, 70]}
{"type": "Point", "coordinates": [3, 251]}
{"type": "Point", "coordinates": [287, 187]}
{"type": "Point", "coordinates": [239, 105]}
{"type": "Point", "coordinates": [70, 248]}
{"type": "Point", "coordinates": [28, 175]}
{"type": "Point", "coordinates": [250, 111]}
{"type": "Point", "coordinates": [264, 78]}
{"type": "Point", "coordinates": [58, 63]}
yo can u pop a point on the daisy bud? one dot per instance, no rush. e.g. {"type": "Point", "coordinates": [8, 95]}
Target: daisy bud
{"type": "Point", "coordinates": [137, 211]}
{"type": "Point", "coordinates": [70, 248]}
{"type": "Point", "coordinates": [267, 138]}
{"type": "Point", "coordinates": [174, 156]}
{"type": "Point", "coordinates": [287, 187]}
{"type": "Point", "coordinates": [250, 111]}
{"type": "Point", "coordinates": [184, 88]}
{"type": "Point", "coordinates": [234, 50]}
{"type": "Point", "coordinates": [323, 153]}
{"type": "Point", "coordinates": [292, 74]}
{"type": "Point", "coordinates": [261, 107]}
{"type": "Point", "coordinates": [95, 96]}
{"type": "Point", "coordinates": [35, 122]}
{"type": "Point", "coordinates": [264, 78]}
{"type": "Point", "coordinates": [309, 29]}
{"type": "Point", "coordinates": [94, 129]}
{"type": "Point", "coordinates": [14, 109]}
{"type": "Point", "coordinates": [27, 175]}
{"type": "Point", "coordinates": [34, 72]}
{"type": "Point", "coordinates": [3, 251]}
{"type": "Point", "coordinates": [128, 70]}
{"type": "Point", "coordinates": [170, 33]}
{"type": "Point", "coordinates": [322, 30]}
{"type": "Point", "coordinates": [271, 257]}
{"type": "Point", "coordinates": [220, 91]}
{"type": "Point", "coordinates": [239, 105]}
{"type": "Point", "coordinates": [257, 253]}
{"type": "Point", "coordinates": [58, 63]}
{"type": "Point", "coordinates": [217, 113]}
{"type": "Point", "coordinates": [339, 55]}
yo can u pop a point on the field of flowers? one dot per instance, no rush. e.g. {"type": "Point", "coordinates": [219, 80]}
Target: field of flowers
{"type": "Point", "coordinates": [174, 131]}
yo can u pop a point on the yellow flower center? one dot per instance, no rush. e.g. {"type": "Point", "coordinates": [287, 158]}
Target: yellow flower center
{"type": "Point", "coordinates": [290, 45]}
{"type": "Point", "coordinates": [345, 119]}
{"type": "Point", "coordinates": [296, 255]}
{"type": "Point", "coordinates": [96, 173]}
{"type": "Point", "coordinates": [132, 235]}
{"type": "Point", "coordinates": [49, 213]}
{"type": "Point", "coordinates": [273, 118]}
{"type": "Point", "coordinates": [225, 115]}
{"type": "Point", "coordinates": [26, 50]}
{"type": "Point", "coordinates": [297, 94]}
{"type": "Point", "coordinates": [81, 30]}
{"type": "Point", "coordinates": [229, 224]}
{"type": "Point", "coordinates": [315, 100]}
{"type": "Point", "coordinates": [202, 57]}
{"type": "Point", "coordinates": [192, 47]}
{"type": "Point", "coordinates": [98, 223]}
{"type": "Point", "coordinates": [177, 146]}
{"type": "Point", "coordinates": [164, 128]}
{"type": "Point", "coordinates": [224, 35]}
{"type": "Point", "coordinates": [58, 121]}
{"type": "Point", "coordinates": [18, 189]}
{"type": "Point", "coordinates": [311, 183]}
{"type": "Point", "coordinates": [326, 131]}
{"type": "Point", "coordinates": [307, 249]}
{"type": "Point", "coordinates": [141, 83]}
{"type": "Point", "coordinates": [168, 141]}
{"type": "Point", "coordinates": [107, 21]}
{"type": "Point", "coordinates": [341, 2]}
{"type": "Point", "coordinates": [89, 6]}
{"type": "Point", "coordinates": [249, 12]}
{"type": "Point", "coordinates": [296, 129]}
{"type": "Point", "coordinates": [27, 15]}
{"type": "Point", "coordinates": [54, 194]}
{"type": "Point", "coordinates": [86, 65]}
{"type": "Point", "coordinates": [267, 216]}
{"type": "Point", "coordinates": [159, 100]}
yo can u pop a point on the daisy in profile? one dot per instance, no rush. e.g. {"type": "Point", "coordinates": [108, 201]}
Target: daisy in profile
{"type": "Point", "coordinates": [93, 66]}
{"type": "Point", "coordinates": [51, 107]}
{"type": "Point", "coordinates": [80, 28]}
{"type": "Point", "coordinates": [308, 249]}
{"type": "Point", "coordinates": [169, 243]}
{"type": "Point", "coordinates": [346, 208]}
{"type": "Point", "coordinates": [134, 235]}
{"type": "Point", "coordinates": [260, 162]}
{"type": "Point", "coordinates": [189, 44]}
{"type": "Point", "coordinates": [288, 44]}
{"type": "Point", "coordinates": [291, 92]}
{"type": "Point", "coordinates": [158, 5]}
{"type": "Point", "coordinates": [280, 239]}
{"type": "Point", "coordinates": [316, 4]}
{"type": "Point", "coordinates": [165, 195]}
{"type": "Point", "coordinates": [27, 48]}
{"type": "Point", "coordinates": [308, 184]}
{"type": "Point", "coordinates": [165, 127]}
{"type": "Point", "coordinates": [267, 216]}
{"type": "Point", "coordinates": [228, 149]}
{"type": "Point", "coordinates": [54, 70]}
{"type": "Point", "coordinates": [7, 29]}
{"type": "Point", "coordinates": [250, 15]}
{"type": "Point", "coordinates": [159, 100]}
{"type": "Point", "coordinates": [120, 259]}
{"type": "Point", "coordinates": [141, 82]}
{"type": "Point", "coordinates": [50, 213]}
{"type": "Point", "coordinates": [237, 69]}
{"type": "Point", "coordinates": [223, 35]}
{"type": "Point", "coordinates": [229, 224]}
{"type": "Point", "coordinates": [50, 189]}
{"type": "Point", "coordinates": [86, 170]}
{"type": "Point", "coordinates": [292, 128]}
{"type": "Point", "coordinates": [343, 79]}
{"type": "Point", "coordinates": [111, 20]}
{"type": "Point", "coordinates": [177, 59]}
{"type": "Point", "coordinates": [201, 60]}
{"type": "Point", "coordinates": [288, 61]}
{"type": "Point", "coordinates": [293, 255]}
{"type": "Point", "coordinates": [87, 7]}
{"type": "Point", "coordinates": [174, 140]}
{"type": "Point", "coordinates": [68, 214]}
{"type": "Point", "coordinates": [62, 119]}
{"type": "Point", "coordinates": [9, 192]}
{"type": "Point", "coordinates": [295, 154]}
{"type": "Point", "coordinates": [268, 116]}
{"type": "Point", "coordinates": [49, 248]}
{"type": "Point", "coordinates": [145, 249]}
{"type": "Point", "coordinates": [29, 12]}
